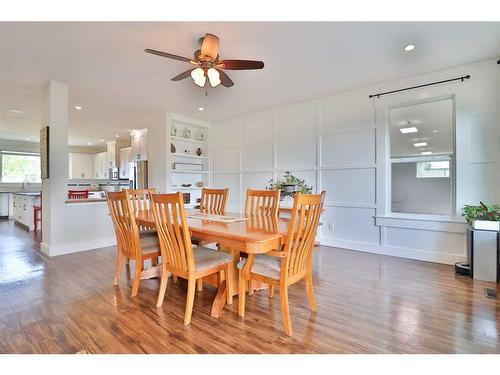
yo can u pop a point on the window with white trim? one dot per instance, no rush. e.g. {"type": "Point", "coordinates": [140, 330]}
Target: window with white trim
{"type": "Point", "coordinates": [421, 140]}
{"type": "Point", "coordinates": [18, 167]}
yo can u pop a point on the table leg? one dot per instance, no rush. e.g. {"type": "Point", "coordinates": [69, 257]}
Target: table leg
{"type": "Point", "coordinates": [220, 300]}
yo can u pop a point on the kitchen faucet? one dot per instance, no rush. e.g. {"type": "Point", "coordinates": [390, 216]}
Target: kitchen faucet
{"type": "Point", "coordinates": [24, 184]}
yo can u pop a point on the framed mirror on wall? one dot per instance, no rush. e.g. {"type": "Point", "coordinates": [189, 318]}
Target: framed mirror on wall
{"type": "Point", "coordinates": [422, 158]}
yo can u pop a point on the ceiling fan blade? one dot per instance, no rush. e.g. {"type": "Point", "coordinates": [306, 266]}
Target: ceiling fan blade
{"type": "Point", "coordinates": [186, 74]}
{"type": "Point", "coordinates": [167, 55]}
{"type": "Point", "coordinates": [224, 79]}
{"type": "Point", "coordinates": [210, 47]}
{"type": "Point", "coordinates": [240, 64]}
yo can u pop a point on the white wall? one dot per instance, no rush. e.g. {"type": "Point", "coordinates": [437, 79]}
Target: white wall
{"type": "Point", "coordinates": [339, 144]}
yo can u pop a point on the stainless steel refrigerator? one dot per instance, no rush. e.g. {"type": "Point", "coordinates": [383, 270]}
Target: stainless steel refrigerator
{"type": "Point", "coordinates": [138, 175]}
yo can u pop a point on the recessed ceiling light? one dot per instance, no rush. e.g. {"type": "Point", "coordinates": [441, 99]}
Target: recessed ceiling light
{"type": "Point", "coordinates": [89, 143]}
{"type": "Point", "coordinates": [434, 131]}
{"type": "Point", "coordinates": [420, 144]}
{"type": "Point", "coordinates": [16, 111]}
{"type": "Point", "coordinates": [26, 139]}
{"type": "Point", "coordinates": [426, 152]}
{"type": "Point", "coordinates": [102, 140]}
{"type": "Point", "coordinates": [117, 136]}
{"type": "Point", "coordinates": [411, 129]}
{"type": "Point", "coordinates": [77, 107]}
{"type": "Point", "coordinates": [201, 109]}
{"type": "Point", "coordinates": [409, 47]}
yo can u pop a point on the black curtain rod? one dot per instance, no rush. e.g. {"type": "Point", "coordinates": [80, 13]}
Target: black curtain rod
{"type": "Point", "coordinates": [419, 86]}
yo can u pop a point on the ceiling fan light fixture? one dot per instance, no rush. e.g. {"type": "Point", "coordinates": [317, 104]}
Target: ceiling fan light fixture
{"type": "Point", "coordinates": [213, 77]}
{"type": "Point", "coordinates": [198, 76]}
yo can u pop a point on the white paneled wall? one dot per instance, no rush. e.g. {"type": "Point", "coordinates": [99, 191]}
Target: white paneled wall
{"type": "Point", "coordinates": [338, 144]}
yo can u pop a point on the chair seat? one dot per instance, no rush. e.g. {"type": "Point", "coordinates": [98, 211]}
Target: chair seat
{"type": "Point", "coordinates": [205, 258]}
{"type": "Point", "coordinates": [266, 265]}
{"type": "Point", "coordinates": [149, 241]}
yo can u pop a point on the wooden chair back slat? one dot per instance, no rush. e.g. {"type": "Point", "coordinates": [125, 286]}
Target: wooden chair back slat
{"type": "Point", "coordinates": [214, 201]}
{"type": "Point", "coordinates": [262, 202]}
{"type": "Point", "coordinates": [141, 200]}
{"type": "Point", "coordinates": [173, 232]}
{"type": "Point", "coordinates": [306, 212]}
{"type": "Point", "coordinates": [126, 229]}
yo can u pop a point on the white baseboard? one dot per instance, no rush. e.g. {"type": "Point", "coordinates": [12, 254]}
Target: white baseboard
{"type": "Point", "coordinates": [400, 252]}
{"type": "Point", "coordinates": [77, 246]}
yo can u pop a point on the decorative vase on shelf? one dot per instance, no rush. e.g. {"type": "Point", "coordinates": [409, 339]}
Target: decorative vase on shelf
{"type": "Point", "coordinates": [172, 148]}
{"type": "Point", "coordinates": [173, 131]}
{"type": "Point", "coordinates": [199, 151]}
{"type": "Point", "coordinates": [199, 183]}
{"type": "Point", "coordinates": [201, 136]}
{"type": "Point", "coordinates": [187, 133]}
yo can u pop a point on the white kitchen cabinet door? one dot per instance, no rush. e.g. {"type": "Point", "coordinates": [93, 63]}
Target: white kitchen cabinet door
{"type": "Point", "coordinates": [111, 155]}
{"type": "Point", "coordinates": [100, 166]}
{"type": "Point", "coordinates": [81, 166]}
{"type": "Point", "coordinates": [75, 166]}
{"type": "Point", "coordinates": [87, 166]}
{"type": "Point", "coordinates": [139, 146]}
{"type": "Point", "coordinates": [125, 158]}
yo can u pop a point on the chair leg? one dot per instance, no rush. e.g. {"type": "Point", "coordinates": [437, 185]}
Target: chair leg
{"type": "Point", "coordinates": [250, 287]}
{"type": "Point", "coordinates": [127, 261]}
{"type": "Point", "coordinates": [229, 283]}
{"type": "Point", "coordinates": [199, 284]}
{"type": "Point", "coordinates": [189, 301]}
{"type": "Point", "coordinates": [118, 272]}
{"type": "Point", "coordinates": [310, 291]}
{"type": "Point", "coordinates": [271, 290]}
{"type": "Point", "coordinates": [285, 309]}
{"type": "Point", "coordinates": [154, 261]}
{"type": "Point", "coordinates": [137, 279]}
{"type": "Point", "coordinates": [241, 295]}
{"type": "Point", "coordinates": [175, 279]}
{"type": "Point", "coordinates": [163, 287]}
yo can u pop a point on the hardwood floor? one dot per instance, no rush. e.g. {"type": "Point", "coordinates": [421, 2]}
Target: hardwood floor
{"type": "Point", "coordinates": [366, 304]}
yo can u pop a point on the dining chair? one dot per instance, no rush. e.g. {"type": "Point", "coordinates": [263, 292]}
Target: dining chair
{"type": "Point", "coordinates": [141, 200]}
{"type": "Point", "coordinates": [291, 263]}
{"type": "Point", "coordinates": [213, 201]}
{"type": "Point", "coordinates": [178, 255]}
{"type": "Point", "coordinates": [131, 243]}
{"type": "Point", "coordinates": [262, 202]}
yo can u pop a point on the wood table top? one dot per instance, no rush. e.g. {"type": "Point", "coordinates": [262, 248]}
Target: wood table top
{"type": "Point", "coordinates": [254, 229]}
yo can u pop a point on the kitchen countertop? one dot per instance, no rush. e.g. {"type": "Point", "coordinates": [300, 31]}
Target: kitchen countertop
{"type": "Point", "coordinates": [30, 193]}
{"type": "Point", "coordinates": [88, 200]}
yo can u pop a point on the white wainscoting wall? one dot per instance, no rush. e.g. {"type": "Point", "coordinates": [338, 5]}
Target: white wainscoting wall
{"type": "Point", "coordinates": [338, 144]}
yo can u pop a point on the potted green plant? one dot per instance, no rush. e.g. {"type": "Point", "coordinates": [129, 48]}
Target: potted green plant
{"type": "Point", "coordinates": [484, 216]}
{"type": "Point", "coordinates": [290, 185]}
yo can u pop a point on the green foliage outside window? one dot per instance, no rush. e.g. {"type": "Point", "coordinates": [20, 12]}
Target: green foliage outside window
{"type": "Point", "coordinates": [19, 168]}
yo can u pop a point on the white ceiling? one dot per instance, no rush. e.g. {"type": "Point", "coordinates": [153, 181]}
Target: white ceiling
{"type": "Point", "coordinates": [122, 88]}
{"type": "Point", "coordinates": [434, 123]}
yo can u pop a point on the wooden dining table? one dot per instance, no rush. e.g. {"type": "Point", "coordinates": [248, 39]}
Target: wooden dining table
{"type": "Point", "coordinates": [257, 234]}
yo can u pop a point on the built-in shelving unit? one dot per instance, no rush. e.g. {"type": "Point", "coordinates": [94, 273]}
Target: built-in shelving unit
{"type": "Point", "coordinates": [188, 137]}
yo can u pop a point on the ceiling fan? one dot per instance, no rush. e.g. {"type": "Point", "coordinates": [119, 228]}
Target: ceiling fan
{"type": "Point", "coordinates": [208, 64]}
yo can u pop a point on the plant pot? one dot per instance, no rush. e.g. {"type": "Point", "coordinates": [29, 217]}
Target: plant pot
{"type": "Point", "coordinates": [288, 189]}
{"type": "Point", "coordinates": [486, 225]}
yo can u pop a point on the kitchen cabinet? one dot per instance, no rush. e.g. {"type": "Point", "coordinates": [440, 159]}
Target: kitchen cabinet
{"type": "Point", "coordinates": [81, 166]}
{"type": "Point", "coordinates": [139, 144]}
{"type": "Point", "coordinates": [100, 165]}
{"type": "Point", "coordinates": [125, 159]}
{"type": "Point", "coordinates": [111, 154]}
{"type": "Point", "coordinates": [23, 212]}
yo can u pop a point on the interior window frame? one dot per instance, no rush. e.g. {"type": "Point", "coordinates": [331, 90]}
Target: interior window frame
{"type": "Point", "coordinates": [390, 160]}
